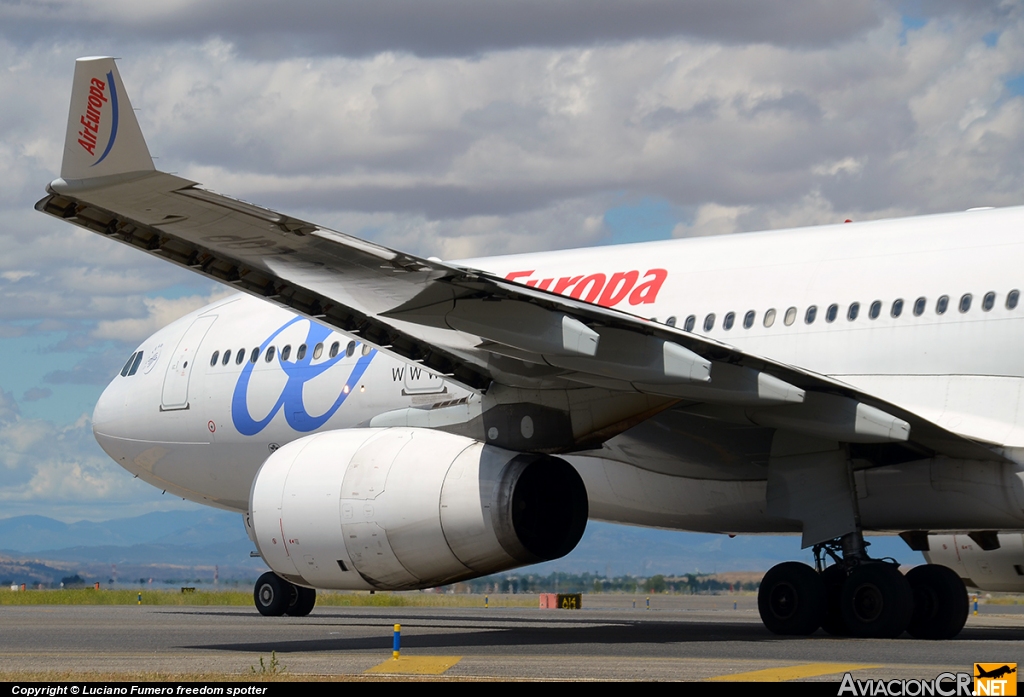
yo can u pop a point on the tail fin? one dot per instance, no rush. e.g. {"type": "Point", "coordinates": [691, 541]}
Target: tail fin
{"type": "Point", "coordinates": [103, 136]}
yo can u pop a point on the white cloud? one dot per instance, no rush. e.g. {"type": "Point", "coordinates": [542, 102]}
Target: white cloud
{"type": "Point", "coordinates": [159, 313]}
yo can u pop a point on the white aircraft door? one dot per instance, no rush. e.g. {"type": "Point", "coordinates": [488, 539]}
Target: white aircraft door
{"type": "Point", "coordinates": [175, 392]}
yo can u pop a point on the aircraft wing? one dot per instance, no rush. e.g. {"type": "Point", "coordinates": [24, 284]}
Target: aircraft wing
{"type": "Point", "coordinates": [597, 369]}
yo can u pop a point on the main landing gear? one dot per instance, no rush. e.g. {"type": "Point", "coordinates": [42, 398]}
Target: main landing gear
{"type": "Point", "coordinates": [275, 597]}
{"type": "Point", "coordinates": [862, 597]}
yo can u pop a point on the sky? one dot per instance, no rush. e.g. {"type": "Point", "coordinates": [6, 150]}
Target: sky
{"type": "Point", "coordinates": [459, 128]}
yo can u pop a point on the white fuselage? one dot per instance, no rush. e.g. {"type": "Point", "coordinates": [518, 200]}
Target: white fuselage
{"type": "Point", "coordinates": [201, 429]}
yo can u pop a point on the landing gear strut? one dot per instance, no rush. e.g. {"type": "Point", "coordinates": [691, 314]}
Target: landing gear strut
{"type": "Point", "coordinates": [859, 596]}
{"type": "Point", "coordinates": [275, 597]}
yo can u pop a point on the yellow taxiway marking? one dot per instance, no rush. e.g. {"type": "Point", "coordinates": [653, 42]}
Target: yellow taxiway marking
{"type": "Point", "coordinates": [416, 665]}
{"type": "Point", "coordinates": [783, 673]}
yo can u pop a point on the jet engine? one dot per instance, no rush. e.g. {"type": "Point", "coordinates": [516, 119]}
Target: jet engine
{"type": "Point", "coordinates": [987, 561]}
{"type": "Point", "coordinates": [406, 508]}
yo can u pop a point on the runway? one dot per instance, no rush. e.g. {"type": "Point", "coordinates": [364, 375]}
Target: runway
{"type": "Point", "coordinates": [678, 639]}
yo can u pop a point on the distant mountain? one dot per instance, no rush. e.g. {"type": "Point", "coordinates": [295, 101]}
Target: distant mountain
{"type": "Point", "coordinates": [189, 544]}
{"type": "Point", "coordinates": [33, 533]}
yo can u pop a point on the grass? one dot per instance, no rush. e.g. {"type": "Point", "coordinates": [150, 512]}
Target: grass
{"type": "Point", "coordinates": [89, 596]}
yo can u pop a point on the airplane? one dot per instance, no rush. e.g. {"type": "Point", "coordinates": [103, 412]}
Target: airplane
{"type": "Point", "coordinates": [994, 673]}
{"type": "Point", "coordinates": [384, 421]}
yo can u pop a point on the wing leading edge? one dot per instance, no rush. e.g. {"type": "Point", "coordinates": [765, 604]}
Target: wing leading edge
{"type": "Point", "coordinates": [586, 371]}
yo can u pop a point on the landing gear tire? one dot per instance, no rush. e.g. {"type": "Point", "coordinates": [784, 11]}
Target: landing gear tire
{"type": "Point", "coordinates": [877, 601]}
{"type": "Point", "coordinates": [271, 594]}
{"type": "Point", "coordinates": [791, 599]}
{"type": "Point", "coordinates": [940, 602]}
{"type": "Point", "coordinates": [834, 578]}
{"type": "Point", "coordinates": [300, 601]}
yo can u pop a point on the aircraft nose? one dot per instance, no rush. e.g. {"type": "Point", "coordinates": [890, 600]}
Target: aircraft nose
{"type": "Point", "coordinates": [108, 411]}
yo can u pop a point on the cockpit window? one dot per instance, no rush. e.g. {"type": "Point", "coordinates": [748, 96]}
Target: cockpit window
{"type": "Point", "coordinates": [135, 364]}
{"type": "Point", "coordinates": [128, 365]}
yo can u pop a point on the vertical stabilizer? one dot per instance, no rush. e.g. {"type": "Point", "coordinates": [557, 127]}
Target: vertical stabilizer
{"type": "Point", "coordinates": [103, 136]}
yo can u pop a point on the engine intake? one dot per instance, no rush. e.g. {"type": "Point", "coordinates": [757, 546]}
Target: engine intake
{"type": "Point", "coordinates": [406, 508]}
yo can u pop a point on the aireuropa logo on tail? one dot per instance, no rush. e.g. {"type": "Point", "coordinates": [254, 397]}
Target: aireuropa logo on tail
{"type": "Point", "coordinates": [95, 117]}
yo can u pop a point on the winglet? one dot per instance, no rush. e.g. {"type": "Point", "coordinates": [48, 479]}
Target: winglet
{"type": "Point", "coordinates": [103, 136]}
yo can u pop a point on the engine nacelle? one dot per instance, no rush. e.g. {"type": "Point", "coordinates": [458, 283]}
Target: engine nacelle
{"type": "Point", "coordinates": [405, 508]}
{"type": "Point", "coordinates": [999, 569]}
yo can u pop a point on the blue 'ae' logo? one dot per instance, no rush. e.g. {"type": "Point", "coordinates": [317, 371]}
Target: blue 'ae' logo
{"type": "Point", "coordinates": [299, 373]}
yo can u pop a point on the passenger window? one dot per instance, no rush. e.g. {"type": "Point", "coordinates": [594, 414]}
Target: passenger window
{"type": "Point", "coordinates": [301, 353]}
{"type": "Point", "coordinates": [897, 307]}
{"type": "Point", "coordinates": [790, 316]}
{"type": "Point", "coordinates": [875, 310]}
{"type": "Point", "coordinates": [227, 357]}
{"type": "Point", "coordinates": [671, 321]}
{"type": "Point", "coordinates": [269, 354]}
{"type": "Point", "coordinates": [1011, 299]}
{"type": "Point", "coordinates": [728, 320]}
{"type": "Point", "coordinates": [366, 349]}
{"type": "Point", "coordinates": [318, 351]}
{"type": "Point", "coordinates": [350, 350]}
{"type": "Point", "coordinates": [690, 323]}
{"type": "Point", "coordinates": [135, 364]}
{"type": "Point", "coordinates": [769, 317]}
{"type": "Point", "coordinates": [919, 305]}
{"type": "Point", "coordinates": [854, 310]}
{"type": "Point", "coordinates": [255, 355]}
{"type": "Point", "coordinates": [709, 322]}
{"type": "Point", "coordinates": [131, 359]}
{"type": "Point", "coordinates": [334, 349]}
{"type": "Point", "coordinates": [832, 313]}
{"type": "Point", "coordinates": [285, 352]}
{"type": "Point", "coordinates": [989, 301]}
{"type": "Point", "coordinates": [213, 359]}
{"type": "Point", "coordinates": [941, 305]}
{"type": "Point", "coordinates": [748, 319]}
{"type": "Point", "coordinates": [811, 314]}
{"type": "Point", "coordinates": [240, 357]}
{"type": "Point", "coordinates": [965, 302]}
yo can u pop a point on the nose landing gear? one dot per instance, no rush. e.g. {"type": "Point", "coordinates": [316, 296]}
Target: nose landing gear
{"type": "Point", "coordinates": [274, 597]}
{"type": "Point", "coordinates": [861, 597]}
